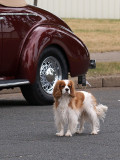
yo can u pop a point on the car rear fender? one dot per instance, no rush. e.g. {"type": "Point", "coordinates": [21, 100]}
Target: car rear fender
{"type": "Point", "coordinates": [44, 36]}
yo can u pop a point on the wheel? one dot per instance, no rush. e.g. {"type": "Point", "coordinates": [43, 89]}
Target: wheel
{"type": "Point", "coordinates": [51, 67]}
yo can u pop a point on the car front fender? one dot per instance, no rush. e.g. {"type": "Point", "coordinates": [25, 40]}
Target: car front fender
{"type": "Point", "coordinates": [43, 36]}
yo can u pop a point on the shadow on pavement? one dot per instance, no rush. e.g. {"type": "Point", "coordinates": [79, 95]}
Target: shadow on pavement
{"type": "Point", "coordinates": [7, 103]}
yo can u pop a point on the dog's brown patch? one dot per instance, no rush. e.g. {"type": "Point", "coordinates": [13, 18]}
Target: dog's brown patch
{"type": "Point", "coordinates": [77, 101]}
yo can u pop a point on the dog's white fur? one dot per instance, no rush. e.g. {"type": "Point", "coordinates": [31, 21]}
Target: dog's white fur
{"type": "Point", "coordinates": [75, 108]}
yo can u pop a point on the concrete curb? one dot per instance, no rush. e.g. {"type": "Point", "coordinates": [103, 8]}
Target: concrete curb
{"type": "Point", "coordinates": [99, 82]}
{"type": "Point", "coordinates": [95, 82]}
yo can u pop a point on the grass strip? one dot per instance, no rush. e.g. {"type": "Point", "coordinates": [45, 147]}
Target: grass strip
{"type": "Point", "coordinates": [104, 69]}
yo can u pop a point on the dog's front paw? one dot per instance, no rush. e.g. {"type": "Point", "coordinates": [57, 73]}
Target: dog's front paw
{"type": "Point", "coordinates": [60, 134]}
{"type": "Point", "coordinates": [68, 134]}
{"type": "Point", "coordinates": [94, 132]}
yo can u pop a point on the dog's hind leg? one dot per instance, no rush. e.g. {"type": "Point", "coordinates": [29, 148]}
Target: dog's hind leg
{"type": "Point", "coordinates": [81, 128]}
{"type": "Point", "coordinates": [94, 121]}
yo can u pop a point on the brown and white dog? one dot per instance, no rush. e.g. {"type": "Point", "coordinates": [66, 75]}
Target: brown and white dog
{"type": "Point", "coordinates": [75, 107]}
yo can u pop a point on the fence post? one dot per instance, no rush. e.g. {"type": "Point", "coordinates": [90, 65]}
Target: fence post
{"type": "Point", "coordinates": [35, 2]}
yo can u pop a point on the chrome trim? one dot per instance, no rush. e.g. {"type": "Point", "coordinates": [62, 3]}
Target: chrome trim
{"type": "Point", "coordinates": [18, 14]}
{"type": "Point", "coordinates": [10, 84]}
{"type": "Point", "coordinates": [1, 18]}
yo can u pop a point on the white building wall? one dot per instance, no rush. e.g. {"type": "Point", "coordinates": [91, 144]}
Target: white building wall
{"type": "Point", "coordinates": [102, 9]}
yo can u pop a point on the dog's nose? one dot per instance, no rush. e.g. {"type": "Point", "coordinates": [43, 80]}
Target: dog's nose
{"type": "Point", "coordinates": [67, 89]}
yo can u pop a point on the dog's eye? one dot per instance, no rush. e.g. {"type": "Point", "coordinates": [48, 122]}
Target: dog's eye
{"type": "Point", "coordinates": [62, 86]}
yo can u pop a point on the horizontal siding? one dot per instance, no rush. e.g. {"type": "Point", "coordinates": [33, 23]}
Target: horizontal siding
{"type": "Point", "coordinates": [102, 9]}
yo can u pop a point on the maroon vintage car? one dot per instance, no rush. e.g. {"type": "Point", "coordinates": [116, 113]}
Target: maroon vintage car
{"type": "Point", "coordinates": [37, 49]}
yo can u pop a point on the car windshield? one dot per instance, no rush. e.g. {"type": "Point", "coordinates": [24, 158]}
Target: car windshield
{"type": "Point", "coordinates": [13, 3]}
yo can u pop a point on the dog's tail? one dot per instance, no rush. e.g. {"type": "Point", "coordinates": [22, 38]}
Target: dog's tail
{"type": "Point", "coordinates": [101, 111]}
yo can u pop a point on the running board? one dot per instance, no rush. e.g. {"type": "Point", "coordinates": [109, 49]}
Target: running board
{"type": "Point", "coordinates": [13, 83]}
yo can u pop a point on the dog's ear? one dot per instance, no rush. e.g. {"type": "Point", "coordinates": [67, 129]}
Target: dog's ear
{"type": "Point", "coordinates": [72, 88]}
{"type": "Point", "coordinates": [56, 91]}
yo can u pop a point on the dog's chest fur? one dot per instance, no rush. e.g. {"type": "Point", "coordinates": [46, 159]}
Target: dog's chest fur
{"type": "Point", "coordinates": [63, 108]}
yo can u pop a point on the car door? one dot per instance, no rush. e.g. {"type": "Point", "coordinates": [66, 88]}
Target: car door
{"type": "Point", "coordinates": [15, 27]}
{"type": "Point", "coordinates": [11, 41]}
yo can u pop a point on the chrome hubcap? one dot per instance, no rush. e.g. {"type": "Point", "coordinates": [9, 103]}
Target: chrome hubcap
{"type": "Point", "coordinates": [50, 72]}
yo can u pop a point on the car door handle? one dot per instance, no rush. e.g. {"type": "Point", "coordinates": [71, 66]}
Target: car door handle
{"type": "Point", "coordinates": [1, 18]}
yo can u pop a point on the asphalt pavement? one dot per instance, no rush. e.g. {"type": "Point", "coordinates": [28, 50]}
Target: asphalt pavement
{"type": "Point", "coordinates": [28, 132]}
